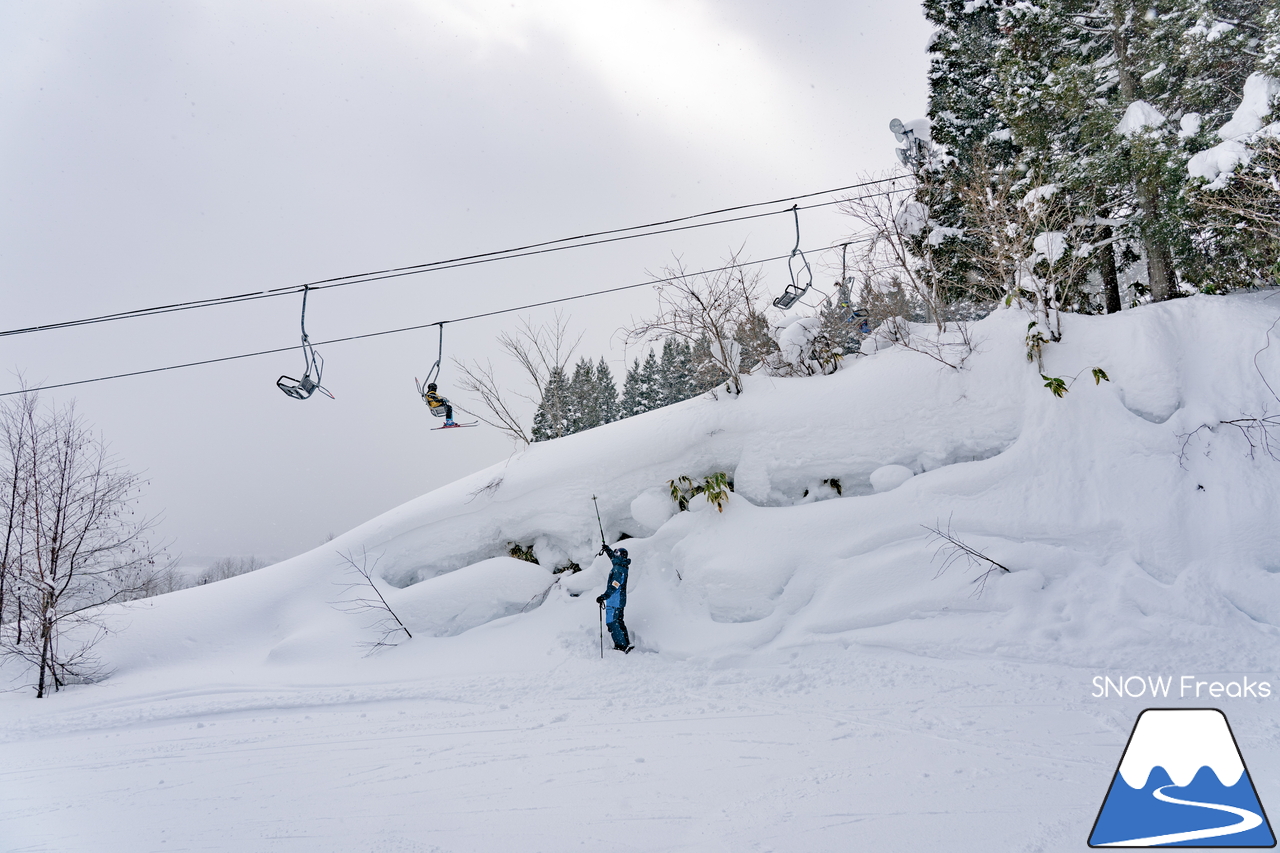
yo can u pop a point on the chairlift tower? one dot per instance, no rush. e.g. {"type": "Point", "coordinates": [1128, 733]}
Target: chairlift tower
{"type": "Point", "coordinates": [913, 154]}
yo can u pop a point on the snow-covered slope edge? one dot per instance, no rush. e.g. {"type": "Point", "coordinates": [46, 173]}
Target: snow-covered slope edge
{"type": "Point", "coordinates": [1127, 531]}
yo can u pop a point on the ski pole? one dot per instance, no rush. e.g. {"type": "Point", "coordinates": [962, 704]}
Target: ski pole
{"type": "Point", "coordinates": [601, 612]}
{"type": "Point", "coordinates": [603, 544]}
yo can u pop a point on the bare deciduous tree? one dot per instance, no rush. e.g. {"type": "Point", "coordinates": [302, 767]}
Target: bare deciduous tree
{"type": "Point", "coordinates": [73, 542]}
{"type": "Point", "coordinates": [706, 309]}
{"type": "Point", "coordinates": [889, 258]}
{"type": "Point", "coordinates": [540, 351]}
{"type": "Point", "coordinates": [1027, 245]}
{"type": "Point", "coordinates": [1051, 256]}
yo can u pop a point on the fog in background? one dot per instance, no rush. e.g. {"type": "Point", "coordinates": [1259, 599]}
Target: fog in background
{"type": "Point", "coordinates": [153, 153]}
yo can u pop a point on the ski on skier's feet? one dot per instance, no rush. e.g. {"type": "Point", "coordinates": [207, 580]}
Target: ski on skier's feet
{"type": "Point", "coordinates": [455, 426]}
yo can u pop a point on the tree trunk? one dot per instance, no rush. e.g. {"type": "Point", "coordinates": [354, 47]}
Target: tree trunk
{"type": "Point", "coordinates": [1107, 269]}
{"type": "Point", "coordinates": [1159, 262]}
{"type": "Point", "coordinates": [1160, 273]}
{"type": "Point", "coordinates": [44, 658]}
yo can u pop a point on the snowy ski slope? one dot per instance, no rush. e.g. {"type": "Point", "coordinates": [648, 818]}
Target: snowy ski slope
{"type": "Point", "coordinates": [807, 678]}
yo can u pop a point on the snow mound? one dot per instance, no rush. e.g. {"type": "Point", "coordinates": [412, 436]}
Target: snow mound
{"type": "Point", "coordinates": [652, 508]}
{"type": "Point", "coordinates": [1136, 524]}
{"type": "Point", "coordinates": [889, 477]}
{"type": "Point", "coordinates": [471, 596]}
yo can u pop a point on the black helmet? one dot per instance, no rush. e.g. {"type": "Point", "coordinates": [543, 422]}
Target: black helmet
{"type": "Point", "coordinates": [622, 552]}
{"type": "Point", "coordinates": [431, 386]}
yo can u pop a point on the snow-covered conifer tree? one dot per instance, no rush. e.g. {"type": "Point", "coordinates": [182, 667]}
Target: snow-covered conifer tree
{"type": "Point", "coordinates": [675, 382]}
{"type": "Point", "coordinates": [606, 393]}
{"type": "Point", "coordinates": [970, 135]}
{"type": "Point", "coordinates": [582, 398]}
{"type": "Point", "coordinates": [551, 420]}
{"type": "Point", "coordinates": [1107, 101]}
{"type": "Point", "coordinates": [632, 402]}
{"type": "Point", "coordinates": [650, 383]}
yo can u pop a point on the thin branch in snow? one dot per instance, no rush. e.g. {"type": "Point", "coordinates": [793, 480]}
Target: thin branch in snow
{"type": "Point", "coordinates": [952, 549]}
{"type": "Point", "coordinates": [387, 623]}
{"type": "Point", "coordinates": [540, 596]}
{"type": "Point", "coordinates": [1256, 431]}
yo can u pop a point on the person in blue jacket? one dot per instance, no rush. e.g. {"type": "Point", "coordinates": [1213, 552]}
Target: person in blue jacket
{"type": "Point", "coordinates": [614, 598]}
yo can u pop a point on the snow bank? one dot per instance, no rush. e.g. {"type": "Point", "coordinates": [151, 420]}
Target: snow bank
{"type": "Point", "coordinates": [472, 596]}
{"type": "Point", "coordinates": [1136, 525]}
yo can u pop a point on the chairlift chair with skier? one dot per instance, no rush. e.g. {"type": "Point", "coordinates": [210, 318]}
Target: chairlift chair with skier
{"type": "Point", "coordinates": [437, 403]}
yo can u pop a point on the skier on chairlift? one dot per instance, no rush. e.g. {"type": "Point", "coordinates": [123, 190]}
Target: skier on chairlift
{"type": "Point", "coordinates": [614, 598]}
{"type": "Point", "coordinates": [439, 405]}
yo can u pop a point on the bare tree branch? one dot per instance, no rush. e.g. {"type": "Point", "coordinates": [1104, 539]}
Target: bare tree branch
{"type": "Point", "coordinates": [951, 548]}
{"type": "Point", "coordinates": [540, 351]}
{"type": "Point", "coordinates": [362, 603]}
{"type": "Point", "coordinates": [705, 309]}
{"type": "Point", "coordinates": [480, 381]}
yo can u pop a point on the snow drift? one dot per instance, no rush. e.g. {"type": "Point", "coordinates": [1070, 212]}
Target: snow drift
{"type": "Point", "coordinates": [1131, 517]}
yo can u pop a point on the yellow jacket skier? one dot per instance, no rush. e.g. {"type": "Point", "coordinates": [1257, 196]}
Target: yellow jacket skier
{"type": "Point", "coordinates": [440, 406]}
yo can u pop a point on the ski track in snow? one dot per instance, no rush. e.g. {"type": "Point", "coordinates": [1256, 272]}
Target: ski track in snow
{"type": "Point", "coordinates": [833, 750]}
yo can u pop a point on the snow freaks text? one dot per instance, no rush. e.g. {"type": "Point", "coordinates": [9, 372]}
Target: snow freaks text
{"type": "Point", "coordinates": [1179, 687]}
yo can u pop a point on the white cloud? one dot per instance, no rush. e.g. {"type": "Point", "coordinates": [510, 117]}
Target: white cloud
{"type": "Point", "coordinates": [670, 61]}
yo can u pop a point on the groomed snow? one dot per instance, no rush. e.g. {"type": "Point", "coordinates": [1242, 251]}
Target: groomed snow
{"type": "Point", "coordinates": [808, 676]}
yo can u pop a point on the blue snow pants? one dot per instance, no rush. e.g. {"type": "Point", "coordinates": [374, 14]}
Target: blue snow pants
{"type": "Point", "coordinates": [617, 628]}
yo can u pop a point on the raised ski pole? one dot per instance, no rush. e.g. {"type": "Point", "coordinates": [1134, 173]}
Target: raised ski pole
{"type": "Point", "coordinates": [603, 544]}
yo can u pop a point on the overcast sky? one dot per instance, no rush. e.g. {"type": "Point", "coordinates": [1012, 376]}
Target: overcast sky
{"type": "Point", "coordinates": [158, 152]}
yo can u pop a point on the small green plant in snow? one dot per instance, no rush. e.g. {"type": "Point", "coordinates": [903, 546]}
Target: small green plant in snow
{"type": "Point", "coordinates": [714, 487]}
{"type": "Point", "coordinates": [1056, 384]}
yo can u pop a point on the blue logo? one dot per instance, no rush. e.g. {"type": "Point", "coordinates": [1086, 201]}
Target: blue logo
{"type": "Point", "coordinates": [1181, 783]}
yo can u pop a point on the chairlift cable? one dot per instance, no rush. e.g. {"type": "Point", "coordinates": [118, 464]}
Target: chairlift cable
{"type": "Point", "coordinates": [482, 315]}
{"type": "Point", "coordinates": [455, 263]}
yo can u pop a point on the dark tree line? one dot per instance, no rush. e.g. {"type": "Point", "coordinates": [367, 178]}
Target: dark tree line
{"type": "Point", "coordinates": [589, 397]}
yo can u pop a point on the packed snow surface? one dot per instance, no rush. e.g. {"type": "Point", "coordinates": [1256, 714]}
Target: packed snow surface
{"type": "Point", "coordinates": [816, 670]}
